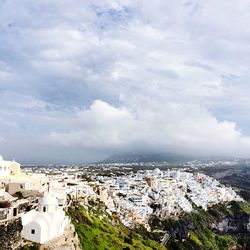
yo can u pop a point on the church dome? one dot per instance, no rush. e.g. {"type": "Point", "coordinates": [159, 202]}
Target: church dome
{"type": "Point", "coordinates": [156, 172]}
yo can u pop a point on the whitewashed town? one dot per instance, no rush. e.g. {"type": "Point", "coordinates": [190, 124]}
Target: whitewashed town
{"type": "Point", "coordinates": [40, 196]}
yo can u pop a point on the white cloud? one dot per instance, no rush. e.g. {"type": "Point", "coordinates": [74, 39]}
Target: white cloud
{"type": "Point", "coordinates": [172, 75]}
{"type": "Point", "coordinates": [99, 126]}
{"type": "Point", "coordinates": [163, 126]}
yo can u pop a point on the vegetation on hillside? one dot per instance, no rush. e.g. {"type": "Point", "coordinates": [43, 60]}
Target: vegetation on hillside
{"type": "Point", "coordinates": [204, 229]}
{"type": "Point", "coordinates": [97, 230]}
{"type": "Point", "coordinates": [29, 247]}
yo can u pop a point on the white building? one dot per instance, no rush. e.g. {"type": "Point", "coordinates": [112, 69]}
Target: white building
{"type": "Point", "coordinates": [45, 224]}
{"type": "Point", "coordinates": [8, 167]}
{"type": "Point", "coordinates": [19, 185]}
{"type": "Point", "coordinates": [157, 172]}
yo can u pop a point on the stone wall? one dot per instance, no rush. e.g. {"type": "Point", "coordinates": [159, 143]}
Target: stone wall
{"type": "Point", "coordinates": [10, 234]}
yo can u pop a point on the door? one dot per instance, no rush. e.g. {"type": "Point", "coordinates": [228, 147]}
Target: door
{"type": "Point", "coordinates": [15, 211]}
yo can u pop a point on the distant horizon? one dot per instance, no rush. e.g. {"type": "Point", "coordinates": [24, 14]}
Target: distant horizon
{"type": "Point", "coordinates": [108, 159]}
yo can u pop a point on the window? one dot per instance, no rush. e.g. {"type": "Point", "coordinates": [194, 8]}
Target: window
{"type": "Point", "coordinates": [33, 231]}
{"type": "Point", "coordinates": [44, 209]}
{"type": "Point", "coordinates": [14, 211]}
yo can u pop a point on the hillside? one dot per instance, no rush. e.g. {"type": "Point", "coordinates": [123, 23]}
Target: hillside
{"type": "Point", "coordinates": [98, 230]}
{"type": "Point", "coordinates": [221, 227]}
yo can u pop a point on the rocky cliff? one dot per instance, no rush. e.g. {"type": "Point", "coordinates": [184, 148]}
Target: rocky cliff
{"type": "Point", "coordinates": [222, 227]}
{"type": "Point", "coordinates": [10, 234]}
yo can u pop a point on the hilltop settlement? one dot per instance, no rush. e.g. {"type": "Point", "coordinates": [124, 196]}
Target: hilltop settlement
{"type": "Point", "coordinates": [34, 200]}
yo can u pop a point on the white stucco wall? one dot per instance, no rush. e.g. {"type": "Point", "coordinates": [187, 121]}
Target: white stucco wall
{"type": "Point", "coordinates": [8, 167]}
{"type": "Point", "coordinates": [4, 170]}
{"type": "Point", "coordinates": [37, 237]}
{"type": "Point", "coordinates": [47, 225]}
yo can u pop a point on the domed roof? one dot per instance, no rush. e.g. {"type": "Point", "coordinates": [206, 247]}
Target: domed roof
{"type": "Point", "coordinates": [156, 172]}
{"type": "Point", "coordinates": [49, 199]}
{"type": "Point", "coordinates": [42, 219]}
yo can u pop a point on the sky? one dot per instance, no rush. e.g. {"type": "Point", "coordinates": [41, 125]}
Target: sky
{"type": "Point", "coordinates": [83, 79]}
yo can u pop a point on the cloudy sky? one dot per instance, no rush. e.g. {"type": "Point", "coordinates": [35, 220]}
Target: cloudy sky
{"type": "Point", "coordinates": [83, 79]}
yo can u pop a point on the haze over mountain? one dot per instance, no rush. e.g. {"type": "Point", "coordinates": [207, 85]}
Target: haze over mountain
{"type": "Point", "coordinates": [147, 157]}
{"type": "Point", "coordinates": [81, 80]}
{"type": "Point", "coordinates": [169, 157]}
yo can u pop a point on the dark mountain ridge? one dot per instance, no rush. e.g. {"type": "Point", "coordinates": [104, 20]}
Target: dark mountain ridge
{"type": "Point", "coordinates": [147, 157]}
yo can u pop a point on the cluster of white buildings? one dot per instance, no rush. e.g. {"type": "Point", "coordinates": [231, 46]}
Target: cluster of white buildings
{"type": "Point", "coordinates": [136, 196]}
{"type": "Point", "coordinates": [36, 198]}
{"type": "Point", "coordinates": [40, 196]}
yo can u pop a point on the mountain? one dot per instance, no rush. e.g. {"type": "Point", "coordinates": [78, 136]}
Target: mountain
{"type": "Point", "coordinates": [147, 157]}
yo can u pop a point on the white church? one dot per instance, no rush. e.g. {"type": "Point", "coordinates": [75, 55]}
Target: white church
{"type": "Point", "coordinates": [45, 224]}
